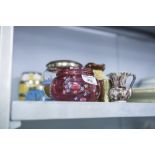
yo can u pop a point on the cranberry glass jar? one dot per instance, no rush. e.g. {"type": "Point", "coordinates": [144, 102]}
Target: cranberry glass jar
{"type": "Point", "coordinates": [75, 84]}
{"type": "Point", "coordinates": [50, 72]}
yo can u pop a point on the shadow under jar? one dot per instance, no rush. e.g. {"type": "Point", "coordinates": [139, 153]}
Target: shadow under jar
{"type": "Point", "coordinates": [75, 84]}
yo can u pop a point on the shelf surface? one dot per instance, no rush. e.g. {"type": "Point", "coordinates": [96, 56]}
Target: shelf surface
{"type": "Point", "coordinates": [31, 110]}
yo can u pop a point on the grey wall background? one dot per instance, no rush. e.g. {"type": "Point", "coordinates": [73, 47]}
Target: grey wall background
{"type": "Point", "coordinates": [36, 46]}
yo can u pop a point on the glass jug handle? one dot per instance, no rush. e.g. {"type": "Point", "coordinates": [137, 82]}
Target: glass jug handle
{"type": "Point", "coordinates": [47, 75]}
{"type": "Point", "coordinates": [47, 78]}
{"type": "Point", "coordinates": [133, 80]}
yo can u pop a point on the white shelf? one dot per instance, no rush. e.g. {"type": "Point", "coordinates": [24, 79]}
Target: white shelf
{"type": "Point", "coordinates": [76, 110]}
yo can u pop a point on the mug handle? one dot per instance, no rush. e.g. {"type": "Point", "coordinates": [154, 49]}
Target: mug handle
{"type": "Point", "coordinates": [133, 80]}
{"type": "Point", "coordinates": [46, 81]}
{"type": "Point", "coordinates": [45, 75]}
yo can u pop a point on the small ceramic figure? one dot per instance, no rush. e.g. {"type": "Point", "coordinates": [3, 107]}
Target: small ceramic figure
{"type": "Point", "coordinates": [98, 70]}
